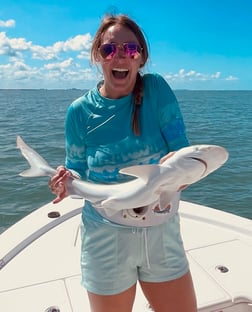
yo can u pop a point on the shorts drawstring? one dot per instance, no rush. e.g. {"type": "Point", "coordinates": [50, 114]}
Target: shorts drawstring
{"type": "Point", "coordinates": [146, 247]}
{"type": "Point", "coordinates": [144, 237]}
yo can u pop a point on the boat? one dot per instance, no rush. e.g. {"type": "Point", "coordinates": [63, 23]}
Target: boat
{"type": "Point", "coordinates": [40, 260]}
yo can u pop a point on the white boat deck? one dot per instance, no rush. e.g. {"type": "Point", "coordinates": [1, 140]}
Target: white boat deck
{"type": "Point", "coordinates": [46, 272]}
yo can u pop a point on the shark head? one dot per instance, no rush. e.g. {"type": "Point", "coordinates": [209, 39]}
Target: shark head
{"type": "Point", "coordinates": [210, 156]}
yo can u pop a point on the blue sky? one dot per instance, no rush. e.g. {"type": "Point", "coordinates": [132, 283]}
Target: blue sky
{"type": "Point", "coordinates": [197, 44]}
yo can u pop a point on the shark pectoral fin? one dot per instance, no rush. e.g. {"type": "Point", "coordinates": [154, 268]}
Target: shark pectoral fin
{"type": "Point", "coordinates": [109, 211]}
{"type": "Point", "coordinates": [106, 202]}
{"type": "Point", "coordinates": [165, 198]}
{"type": "Point", "coordinates": [144, 172]}
{"type": "Point", "coordinates": [109, 206]}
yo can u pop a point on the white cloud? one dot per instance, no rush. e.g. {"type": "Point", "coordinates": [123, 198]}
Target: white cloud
{"type": "Point", "coordinates": [60, 66]}
{"type": "Point", "coordinates": [18, 70]}
{"type": "Point", "coordinates": [63, 64]}
{"type": "Point", "coordinates": [84, 55]}
{"type": "Point", "coordinates": [16, 46]}
{"type": "Point", "coordinates": [68, 70]}
{"type": "Point", "coordinates": [78, 43]}
{"type": "Point", "coordinates": [231, 78]}
{"type": "Point", "coordinates": [13, 47]}
{"type": "Point", "coordinates": [7, 24]}
{"type": "Point", "coordinates": [65, 74]}
{"type": "Point", "coordinates": [45, 66]}
{"type": "Point", "coordinates": [216, 75]}
{"type": "Point", "coordinates": [192, 75]}
{"type": "Point", "coordinates": [43, 53]}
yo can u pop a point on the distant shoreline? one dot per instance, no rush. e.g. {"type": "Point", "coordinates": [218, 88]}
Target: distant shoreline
{"type": "Point", "coordinates": [76, 89]}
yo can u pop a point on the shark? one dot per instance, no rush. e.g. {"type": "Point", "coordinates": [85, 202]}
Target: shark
{"type": "Point", "coordinates": [149, 183]}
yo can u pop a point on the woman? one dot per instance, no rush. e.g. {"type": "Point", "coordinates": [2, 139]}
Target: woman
{"type": "Point", "coordinates": [128, 119]}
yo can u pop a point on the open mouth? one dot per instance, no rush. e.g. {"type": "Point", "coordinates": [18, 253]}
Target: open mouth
{"type": "Point", "coordinates": [120, 73]}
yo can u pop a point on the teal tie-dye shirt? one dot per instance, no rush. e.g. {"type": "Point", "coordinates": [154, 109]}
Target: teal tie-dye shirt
{"type": "Point", "coordinates": [100, 140]}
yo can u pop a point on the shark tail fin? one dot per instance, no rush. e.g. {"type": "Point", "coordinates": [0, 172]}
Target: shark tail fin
{"type": "Point", "coordinates": [38, 165]}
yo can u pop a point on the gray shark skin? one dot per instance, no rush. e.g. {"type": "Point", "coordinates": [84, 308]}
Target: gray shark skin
{"type": "Point", "coordinates": [151, 182]}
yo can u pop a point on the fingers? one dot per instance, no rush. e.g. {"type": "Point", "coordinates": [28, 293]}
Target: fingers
{"type": "Point", "coordinates": [61, 176]}
{"type": "Point", "coordinates": [61, 195]}
{"type": "Point", "coordinates": [57, 183]}
{"type": "Point", "coordinates": [164, 158]}
{"type": "Point", "coordinates": [183, 187]}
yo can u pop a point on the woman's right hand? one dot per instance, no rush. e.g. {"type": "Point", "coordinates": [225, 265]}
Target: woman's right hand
{"type": "Point", "coordinates": [58, 182]}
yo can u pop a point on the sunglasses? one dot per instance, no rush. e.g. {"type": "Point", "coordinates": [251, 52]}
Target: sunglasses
{"type": "Point", "coordinates": [130, 49]}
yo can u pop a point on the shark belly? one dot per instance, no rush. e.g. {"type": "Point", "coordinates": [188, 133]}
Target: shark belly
{"type": "Point", "coordinates": [144, 216]}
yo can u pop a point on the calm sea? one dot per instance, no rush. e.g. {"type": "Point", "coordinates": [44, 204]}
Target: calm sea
{"type": "Point", "coordinates": [211, 117]}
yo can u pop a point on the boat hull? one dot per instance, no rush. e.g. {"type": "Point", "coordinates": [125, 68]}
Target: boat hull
{"type": "Point", "coordinates": [40, 270]}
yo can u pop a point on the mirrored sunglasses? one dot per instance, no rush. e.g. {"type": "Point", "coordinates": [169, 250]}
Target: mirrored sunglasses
{"type": "Point", "coordinates": [130, 49]}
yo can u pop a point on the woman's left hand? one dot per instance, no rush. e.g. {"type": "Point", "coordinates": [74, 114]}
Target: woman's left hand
{"type": "Point", "coordinates": [165, 157]}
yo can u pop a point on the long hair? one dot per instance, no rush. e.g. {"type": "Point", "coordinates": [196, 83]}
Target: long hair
{"type": "Point", "coordinates": [124, 20]}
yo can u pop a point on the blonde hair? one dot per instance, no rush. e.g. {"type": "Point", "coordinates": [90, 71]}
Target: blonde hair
{"type": "Point", "coordinates": [124, 20]}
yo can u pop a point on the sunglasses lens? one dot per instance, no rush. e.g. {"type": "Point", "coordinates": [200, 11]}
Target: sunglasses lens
{"type": "Point", "coordinates": [130, 49]}
{"type": "Point", "coordinates": [107, 50]}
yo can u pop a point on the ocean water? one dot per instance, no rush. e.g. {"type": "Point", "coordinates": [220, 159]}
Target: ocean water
{"type": "Point", "coordinates": [211, 117]}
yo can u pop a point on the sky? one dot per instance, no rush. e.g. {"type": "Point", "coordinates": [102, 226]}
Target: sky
{"type": "Point", "coordinates": [194, 44]}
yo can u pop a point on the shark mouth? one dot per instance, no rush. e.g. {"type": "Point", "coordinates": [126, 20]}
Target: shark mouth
{"type": "Point", "coordinates": [202, 161]}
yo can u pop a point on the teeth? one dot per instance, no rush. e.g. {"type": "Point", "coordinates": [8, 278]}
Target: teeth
{"type": "Point", "coordinates": [121, 69]}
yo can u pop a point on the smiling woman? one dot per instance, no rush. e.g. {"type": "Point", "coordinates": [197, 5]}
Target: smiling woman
{"type": "Point", "coordinates": [127, 119]}
{"type": "Point", "coordinates": [120, 48]}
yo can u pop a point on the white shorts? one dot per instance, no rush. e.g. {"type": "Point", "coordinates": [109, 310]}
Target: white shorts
{"type": "Point", "coordinates": [114, 258]}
